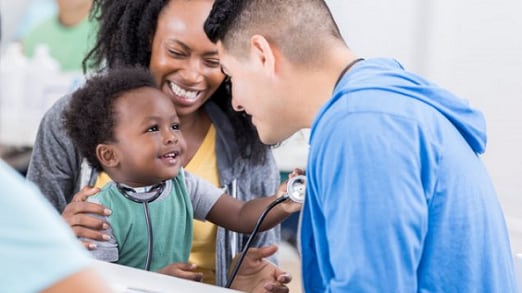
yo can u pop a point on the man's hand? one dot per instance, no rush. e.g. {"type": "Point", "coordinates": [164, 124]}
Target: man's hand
{"type": "Point", "coordinates": [182, 270]}
{"type": "Point", "coordinates": [257, 274]}
{"type": "Point", "coordinates": [78, 214]}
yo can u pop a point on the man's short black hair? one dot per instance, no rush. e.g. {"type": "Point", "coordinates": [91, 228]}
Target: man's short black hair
{"type": "Point", "coordinates": [300, 29]}
{"type": "Point", "coordinates": [90, 118]}
{"type": "Point", "coordinates": [222, 15]}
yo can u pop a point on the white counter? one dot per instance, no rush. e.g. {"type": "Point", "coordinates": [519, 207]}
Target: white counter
{"type": "Point", "coordinates": [130, 280]}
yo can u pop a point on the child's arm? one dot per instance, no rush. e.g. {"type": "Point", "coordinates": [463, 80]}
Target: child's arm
{"type": "Point", "coordinates": [242, 216]}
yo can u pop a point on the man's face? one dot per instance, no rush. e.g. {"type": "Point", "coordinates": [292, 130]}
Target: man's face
{"type": "Point", "coordinates": [258, 91]}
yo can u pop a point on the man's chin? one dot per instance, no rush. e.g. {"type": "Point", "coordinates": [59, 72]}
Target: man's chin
{"type": "Point", "coordinates": [269, 139]}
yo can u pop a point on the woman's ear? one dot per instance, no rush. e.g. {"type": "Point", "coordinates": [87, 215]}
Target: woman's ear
{"type": "Point", "coordinates": [107, 155]}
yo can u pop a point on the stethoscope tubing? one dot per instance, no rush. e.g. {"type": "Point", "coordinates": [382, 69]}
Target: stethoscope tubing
{"type": "Point", "coordinates": [150, 243]}
{"type": "Point", "coordinates": [249, 241]}
{"type": "Point", "coordinates": [145, 202]}
{"type": "Point", "coordinates": [296, 189]}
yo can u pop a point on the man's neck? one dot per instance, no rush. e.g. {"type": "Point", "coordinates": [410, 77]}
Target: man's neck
{"type": "Point", "coordinates": [318, 84]}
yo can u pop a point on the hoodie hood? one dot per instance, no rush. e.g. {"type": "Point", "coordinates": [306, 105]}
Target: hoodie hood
{"type": "Point", "coordinates": [392, 76]}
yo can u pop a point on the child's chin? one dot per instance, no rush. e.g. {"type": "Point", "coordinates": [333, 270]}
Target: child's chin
{"type": "Point", "coordinates": [170, 175]}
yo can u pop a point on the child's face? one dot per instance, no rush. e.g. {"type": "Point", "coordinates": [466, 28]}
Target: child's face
{"type": "Point", "coordinates": [149, 143]}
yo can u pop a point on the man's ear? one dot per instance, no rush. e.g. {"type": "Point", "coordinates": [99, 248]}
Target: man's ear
{"type": "Point", "coordinates": [107, 155]}
{"type": "Point", "coordinates": [263, 52]}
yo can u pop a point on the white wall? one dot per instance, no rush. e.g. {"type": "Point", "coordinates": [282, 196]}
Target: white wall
{"type": "Point", "coordinates": [474, 49]}
{"type": "Point", "coordinates": [11, 12]}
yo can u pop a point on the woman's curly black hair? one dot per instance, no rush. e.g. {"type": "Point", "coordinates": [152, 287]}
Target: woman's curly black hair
{"type": "Point", "coordinates": [90, 117]}
{"type": "Point", "coordinates": [126, 30]}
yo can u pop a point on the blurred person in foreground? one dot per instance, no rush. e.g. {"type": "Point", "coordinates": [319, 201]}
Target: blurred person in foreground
{"type": "Point", "coordinates": [35, 240]}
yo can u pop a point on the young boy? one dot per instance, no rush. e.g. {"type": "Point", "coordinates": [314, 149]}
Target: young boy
{"type": "Point", "coordinates": [123, 125]}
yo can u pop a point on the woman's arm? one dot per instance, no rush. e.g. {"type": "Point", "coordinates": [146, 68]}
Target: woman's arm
{"type": "Point", "coordinates": [55, 162]}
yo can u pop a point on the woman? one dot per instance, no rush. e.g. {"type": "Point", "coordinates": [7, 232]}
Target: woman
{"type": "Point", "coordinates": [222, 145]}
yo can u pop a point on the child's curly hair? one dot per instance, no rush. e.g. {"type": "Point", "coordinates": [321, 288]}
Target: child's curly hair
{"type": "Point", "coordinates": [90, 117]}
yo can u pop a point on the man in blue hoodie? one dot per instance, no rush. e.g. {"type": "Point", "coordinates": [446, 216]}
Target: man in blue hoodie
{"type": "Point", "coordinates": [398, 199]}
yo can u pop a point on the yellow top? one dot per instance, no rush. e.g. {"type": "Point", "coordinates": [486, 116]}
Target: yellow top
{"type": "Point", "coordinates": [102, 179]}
{"type": "Point", "coordinates": [203, 164]}
{"type": "Point", "coordinates": [203, 253]}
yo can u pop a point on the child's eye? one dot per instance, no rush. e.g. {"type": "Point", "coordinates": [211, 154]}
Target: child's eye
{"type": "Point", "coordinates": [175, 126]}
{"type": "Point", "coordinates": [153, 128]}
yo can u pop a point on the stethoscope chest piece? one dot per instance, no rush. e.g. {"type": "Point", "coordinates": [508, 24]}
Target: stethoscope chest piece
{"type": "Point", "coordinates": [296, 188]}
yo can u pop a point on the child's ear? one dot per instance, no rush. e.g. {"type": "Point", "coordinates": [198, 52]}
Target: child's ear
{"type": "Point", "coordinates": [107, 155]}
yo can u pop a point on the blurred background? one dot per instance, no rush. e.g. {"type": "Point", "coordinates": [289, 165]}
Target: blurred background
{"type": "Point", "coordinates": [472, 48]}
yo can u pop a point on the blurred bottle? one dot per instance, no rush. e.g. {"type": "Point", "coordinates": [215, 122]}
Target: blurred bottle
{"type": "Point", "coordinates": [13, 84]}
{"type": "Point", "coordinates": [29, 87]}
{"type": "Point", "coordinates": [43, 74]}
{"type": "Point", "coordinates": [44, 70]}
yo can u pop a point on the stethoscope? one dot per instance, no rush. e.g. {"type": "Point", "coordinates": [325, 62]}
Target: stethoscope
{"type": "Point", "coordinates": [144, 198]}
{"type": "Point", "coordinates": [296, 191]}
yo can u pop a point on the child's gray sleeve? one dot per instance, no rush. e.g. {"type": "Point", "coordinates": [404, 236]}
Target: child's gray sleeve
{"type": "Point", "coordinates": [202, 194]}
{"type": "Point", "coordinates": [105, 250]}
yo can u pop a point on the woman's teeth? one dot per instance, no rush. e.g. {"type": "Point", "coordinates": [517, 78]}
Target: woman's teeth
{"type": "Point", "coordinates": [186, 94]}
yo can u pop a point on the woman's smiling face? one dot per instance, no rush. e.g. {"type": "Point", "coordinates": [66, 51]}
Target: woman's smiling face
{"type": "Point", "coordinates": [184, 62]}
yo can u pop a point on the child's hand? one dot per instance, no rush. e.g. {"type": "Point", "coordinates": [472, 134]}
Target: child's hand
{"type": "Point", "coordinates": [290, 206]}
{"type": "Point", "coordinates": [182, 270]}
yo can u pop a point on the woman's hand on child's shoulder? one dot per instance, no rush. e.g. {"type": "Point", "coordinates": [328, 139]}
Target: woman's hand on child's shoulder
{"type": "Point", "coordinates": [79, 215]}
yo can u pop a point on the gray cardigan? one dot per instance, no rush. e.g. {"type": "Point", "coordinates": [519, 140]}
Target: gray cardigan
{"type": "Point", "coordinates": [56, 167]}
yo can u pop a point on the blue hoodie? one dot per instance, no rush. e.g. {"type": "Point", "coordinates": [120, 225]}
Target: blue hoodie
{"type": "Point", "coordinates": [398, 199]}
